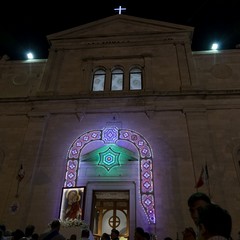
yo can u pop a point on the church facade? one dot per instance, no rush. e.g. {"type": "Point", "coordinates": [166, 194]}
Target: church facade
{"type": "Point", "coordinates": [126, 115]}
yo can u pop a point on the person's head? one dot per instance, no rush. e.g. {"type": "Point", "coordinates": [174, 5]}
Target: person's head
{"type": "Point", "coordinates": [73, 237]}
{"type": "Point", "coordinates": [55, 225]}
{"type": "Point", "coordinates": [114, 233]}
{"type": "Point", "coordinates": [196, 201]}
{"type": "Point", "coordinates": [105, 236]}
{"type": "Point", "coordinates": [17, 234]}
{"type": "Point", "coordinates": [29, 230]}
{"type": "Point", "coordinates": [168, 238]}
{"type": "Point", "coordinates": [147, 236]}
{"type": "Point", "coordinates": [139, 233]}
{"type": "Point", "coordinates": [214, 221]}
{"type": "Point", "coordinates": [85, 233]}
{"type": "Point", "coordinates": [3, 228]}
{"type": "Point", "coordinates": [35, 236]}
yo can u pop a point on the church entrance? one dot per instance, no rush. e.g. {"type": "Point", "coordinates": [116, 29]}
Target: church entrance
{"type": "Point", "coordinates": [113, 159]}
{"type": "Point", "coordinates": [110, 210]}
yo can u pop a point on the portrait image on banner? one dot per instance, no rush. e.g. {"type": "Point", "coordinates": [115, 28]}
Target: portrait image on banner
{"type": "Point", "coordinates": [72, 203]}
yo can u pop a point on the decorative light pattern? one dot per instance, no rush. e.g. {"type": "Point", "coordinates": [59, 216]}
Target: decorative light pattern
{"type": "Point", "coordinates": [110, 159]}
{"type": "Point", "coordinates": [148, 203]}
{"type": "Point", "coordinates": [146, 180]}
{"type": "Point", "coordinates": [110, 135]}
{"type": "Point", "coordinates": [71, 172]}
{"type": "Point", "coordinates": [78, 144]}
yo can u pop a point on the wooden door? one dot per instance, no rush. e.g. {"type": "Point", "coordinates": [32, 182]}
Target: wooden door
{"type": "Point", "coordinates": [110, 210]}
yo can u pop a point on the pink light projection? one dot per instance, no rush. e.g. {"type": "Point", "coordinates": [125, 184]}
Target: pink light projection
{"type": "Point", "coordinates": [112, 135]}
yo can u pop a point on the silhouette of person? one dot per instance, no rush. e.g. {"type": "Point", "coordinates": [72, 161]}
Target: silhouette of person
{"type": "Point", "coordinates": [214, 222]}
{"type": "Point", "coordinates": [85, 234]}
{"type": "Point", "coordinates": [53, 233]}
{"type": "Point", "coordinates": [105, 236]}
{"type": "Point", "coordinates": [114, 234]}
{"type": "Point", "coordinates": [195, 202]}
{"type": "Point", "coordinates": [73, 237]}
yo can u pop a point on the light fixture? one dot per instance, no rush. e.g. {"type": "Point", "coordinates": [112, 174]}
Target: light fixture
{"type": "Point", "coordinates": [29, 55]}
{"type": "Point", "coordinates": [214, 46]}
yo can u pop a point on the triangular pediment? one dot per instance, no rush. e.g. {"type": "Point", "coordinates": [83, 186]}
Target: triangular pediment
{"type": "Point", "coordinates": [119, 25]}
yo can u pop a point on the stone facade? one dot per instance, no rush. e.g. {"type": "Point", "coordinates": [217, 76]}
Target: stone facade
{"type": "Point", "coordinates": [188, 111]}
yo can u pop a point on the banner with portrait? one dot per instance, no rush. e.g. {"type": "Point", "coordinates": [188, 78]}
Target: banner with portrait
{"type": "Point", "coordinates": [72, 204]}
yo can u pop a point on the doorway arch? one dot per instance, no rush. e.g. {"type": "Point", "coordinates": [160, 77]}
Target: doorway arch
{"type": "Point", "coordinates": [111, 135]}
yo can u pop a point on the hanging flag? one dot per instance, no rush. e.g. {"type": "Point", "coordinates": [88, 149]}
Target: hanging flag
{"type": "Point", "coordinates": [21, 173]}
{"type": "Point", "coordinates": [206, 176]}
{"type": "Point", "coordinates": [203, 178]}
{"type": "Point", "coordinates": [200, 181]}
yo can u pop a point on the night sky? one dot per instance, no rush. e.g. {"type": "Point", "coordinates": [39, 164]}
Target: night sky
{"type": "Point", "coordinates": [24, 25]}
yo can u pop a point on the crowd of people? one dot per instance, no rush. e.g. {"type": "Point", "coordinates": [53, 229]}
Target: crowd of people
{"type": "Point", "coordinates": [211, 221]}
{"type": "Point", "coordinates": [18, 234]}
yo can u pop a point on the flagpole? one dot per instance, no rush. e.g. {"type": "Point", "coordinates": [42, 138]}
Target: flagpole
{"type": "Point", "coordinates": [21, 172]}
{"type": "Point", "coordinates": [207, 180]}
{"type": "Point", "coordinates": [191, 151]}
{"type": "Point", "coordinates": [17, 189]}
{"type": "Point", "coordinates": [209, 192]}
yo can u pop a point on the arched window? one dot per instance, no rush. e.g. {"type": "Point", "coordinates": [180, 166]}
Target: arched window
{"type": "Point", "coordinates": [135, 79]}
{"type": "Point", "coordinates": [117, 80]}
{"type": "Point", "coordinates": [99, 80]}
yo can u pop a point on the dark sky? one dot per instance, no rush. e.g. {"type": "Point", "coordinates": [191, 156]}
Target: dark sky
{"type": "Point", "coordinates": [24, 25]}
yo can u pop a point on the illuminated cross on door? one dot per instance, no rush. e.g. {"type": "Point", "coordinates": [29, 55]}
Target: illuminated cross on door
{"type": "Point", "coordinates": [120, 9]}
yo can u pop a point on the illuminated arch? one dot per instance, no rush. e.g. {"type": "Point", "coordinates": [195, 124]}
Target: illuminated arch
{"type": "Point", "coordinates": [111, 135]}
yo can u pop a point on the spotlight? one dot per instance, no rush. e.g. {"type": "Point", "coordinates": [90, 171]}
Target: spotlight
{"type": "Point", "coordinates": [215, 46]}
{"type": "Point", "coordinates": [29, 55]}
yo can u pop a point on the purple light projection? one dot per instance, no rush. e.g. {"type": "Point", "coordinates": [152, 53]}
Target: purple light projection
{"type": "Point", "coordinates": [111, 135]}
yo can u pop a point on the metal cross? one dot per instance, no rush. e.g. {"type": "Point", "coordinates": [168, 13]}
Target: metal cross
{"type": "Point", "coordinates": [120, 9]}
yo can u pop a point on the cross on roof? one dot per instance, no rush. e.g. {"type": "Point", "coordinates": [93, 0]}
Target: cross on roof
{"type": "Point", "coordinates": [120, 9]}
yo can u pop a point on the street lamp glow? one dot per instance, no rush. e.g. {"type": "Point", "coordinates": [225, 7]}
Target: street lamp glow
{"type": "Point", "coordinates": [214, 46]}
{"type": "Point", "coordinates": [30, 55]}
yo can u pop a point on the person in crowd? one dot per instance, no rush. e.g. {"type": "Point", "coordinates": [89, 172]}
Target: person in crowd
{"type": "Point", "coordinates": [105, 236]}
{"type": "Point", "coordinates": [54, 233]}
{"type": "Point", "coordinates": [4, 232]}
{"type": "Point", "coordinates": [35, 236]}
{"type": "Point", "coordinates": [139, 233]}
{"type": "Point", "coordinates": [2, 228]}
{"type": "Point", "coordinates": [214, 222]}
{"type": "Point", "coordinates": [17, 234]}
{"type": "Point", "coordinates": [114, 234]}
{"type": "Point", "coordinates": [29, 230]}
{"type": "Point", "coordinates": [85, 234]}
{"type": "Point", "coordinates": [73, 237]}
{"type": "Point", "coordinates": [195, 201]}
{"type": "Point", "coordinates": [1, 235]}
{"type": "Point", "coordinates": [147, 236]}
{"type": "Point", "coordinates": [168, 238]}
{"type": "Point", "coordinates": [8, 235]}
